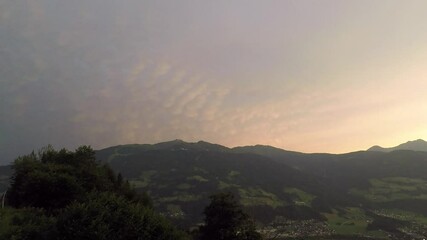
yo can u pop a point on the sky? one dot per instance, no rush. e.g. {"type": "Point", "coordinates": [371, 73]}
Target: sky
{"type": "Point", "coordinates": [310, 76]}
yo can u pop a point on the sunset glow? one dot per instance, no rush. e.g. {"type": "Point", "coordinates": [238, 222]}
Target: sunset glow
{"type": "Point", "coordinates": [310, 76]}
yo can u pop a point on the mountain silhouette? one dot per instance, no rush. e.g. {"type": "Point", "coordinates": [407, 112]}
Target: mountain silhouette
{"type": "Point", "coordinates": [416, 145]}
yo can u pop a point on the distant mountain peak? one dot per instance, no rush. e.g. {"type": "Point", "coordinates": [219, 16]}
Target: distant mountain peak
{"type": "Point", "coordinates": [173, 145]}
{"type": "Point", "coordinates": [415, 145]}
{"type": "Point", "coordinates": [376, 148]}
{"type": "Point", "coordinates": [417, 141]}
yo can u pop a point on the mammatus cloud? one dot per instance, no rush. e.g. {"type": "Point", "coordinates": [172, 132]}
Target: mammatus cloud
{"type": "Point", "coordinates": [155, 99]}
{"type": "Point", "coordinates": [333, 76]}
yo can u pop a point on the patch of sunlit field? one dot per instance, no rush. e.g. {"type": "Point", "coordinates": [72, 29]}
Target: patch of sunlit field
{"type": "Point", "coordinates": [403, 215]}
{"type": "Point", "coordinates": [351, 221]}
{"type": "Point", "coordinates": [391, 189]}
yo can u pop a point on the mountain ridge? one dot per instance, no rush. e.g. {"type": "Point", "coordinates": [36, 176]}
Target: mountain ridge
{"type": "Point", "coordinates": [415, 145]}
{"type": "Point", "coordinates": [261, 149]}
{"type": "Point", "coordinates": [273, 183]}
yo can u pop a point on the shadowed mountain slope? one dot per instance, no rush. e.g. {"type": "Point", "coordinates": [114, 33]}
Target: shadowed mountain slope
{"type": "Point", "coordinates": [273, 183]}
{"type": "Point", "coordinates": [180, 176]}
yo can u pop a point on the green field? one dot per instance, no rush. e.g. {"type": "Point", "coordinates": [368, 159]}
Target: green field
{"type": "Point", "coordinates": [223, 185]}
{"type": "Point", "coordinates": [391, 189]}
{"type": "Point", "coordinates": [351, 221]}
{"type": "Point", "coordinates": [181, 197]}
{"type": "Point", "coordinates": [232, 175]}
{"type": "Point", "coordinates": [403, 215]}
{"type": "Point", "coordinates": [300, 197]}
{"type": "Point", "coordinates": [257, 196]}
{"type": "Point", "coordinates": [143, 180]}
{"type": "Point", "coordinates": [348, 221]}
{"type": "Point", "coordinates": [198, 178]}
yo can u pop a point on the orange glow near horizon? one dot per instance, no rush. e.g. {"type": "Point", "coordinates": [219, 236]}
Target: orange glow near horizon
{"type": "Point", "coordinates": [331, 76]}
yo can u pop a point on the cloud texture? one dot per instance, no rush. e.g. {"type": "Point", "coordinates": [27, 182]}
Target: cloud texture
{"type": "Point", "coordinates": [331, 76]}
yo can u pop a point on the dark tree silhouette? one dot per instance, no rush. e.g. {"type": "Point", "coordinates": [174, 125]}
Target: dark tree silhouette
{"type": "Point", "coordinates": [52, 179]}
{"type": "Point", "coordinates": [70, 195]}
{"type": "Point", "coordinates": [109, 216]}
{"type": "Point", "coordinates": [225, 220]}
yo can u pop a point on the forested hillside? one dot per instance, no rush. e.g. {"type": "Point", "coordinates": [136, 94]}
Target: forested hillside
{"type": "Point", "coordinates": [289, 194]}
{"type": "Point", "coordinates": [69, 195]}
{"type": "Point", "coordinates": [281, 187]}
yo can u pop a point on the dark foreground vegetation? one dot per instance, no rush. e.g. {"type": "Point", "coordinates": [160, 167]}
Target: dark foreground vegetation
{"type": "Point", "coordinates": [70, 195]}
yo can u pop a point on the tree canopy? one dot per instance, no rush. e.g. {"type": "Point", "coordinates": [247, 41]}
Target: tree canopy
{"type": "Point", "coordinates": [225, 220]}
{"type": "Point", "coordinates": [52, 179]}
{"type": "Point", "coordinates": [70, 195]}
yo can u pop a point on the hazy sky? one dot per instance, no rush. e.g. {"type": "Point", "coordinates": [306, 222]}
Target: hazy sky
{"type": "Point", "coordinates": [311, 76]}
